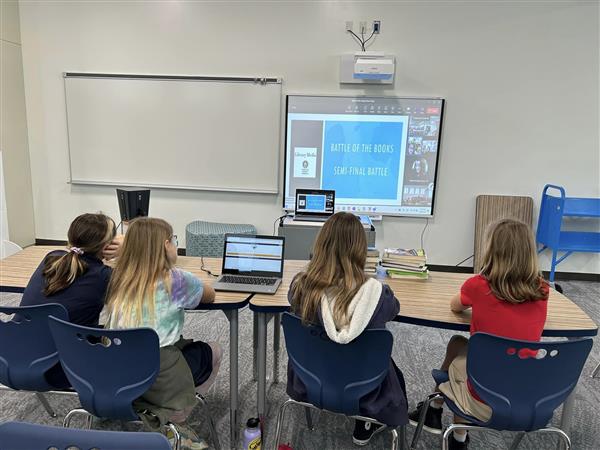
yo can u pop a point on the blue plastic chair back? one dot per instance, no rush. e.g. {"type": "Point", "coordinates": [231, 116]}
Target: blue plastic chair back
{"type": "Point", "coordinates": [27, 350]}
{"type": "Point", "coordinates": [336, 376]}
{"type": "Point", "coordinates": [109, 369]}
{"type": "Point", "coordinates": [27, 436]}
{"type": "Point", "coordinates": [524, 390]}
{"type": "Point", "coordinates": [550, 218]}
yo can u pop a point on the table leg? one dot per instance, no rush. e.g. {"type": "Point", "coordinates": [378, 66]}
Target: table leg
{"type": "Point", "coordinates": [276, 339]}
{"type": "Point", "coordinates": [261, 358]}
{"type": "Point", "coordinates": [254, 345]}
{"type": "Point", "coordinates": [232, 315]}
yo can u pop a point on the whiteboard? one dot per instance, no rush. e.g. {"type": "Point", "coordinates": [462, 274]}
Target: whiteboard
{"type": "Point", "coordinates": [174, 131]}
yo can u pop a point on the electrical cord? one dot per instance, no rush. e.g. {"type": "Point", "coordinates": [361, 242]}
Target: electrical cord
{"type": "Point", "coordinates": [423, 232]}
{"type": "Point", "coordinates": [465, 260]}
{"type": "Point", "coordinates": [369, 38]}
{"type": "Point", "coordinates": [280, 219]}
{"type": "Point", "coordinates": [357, 37]}
{"type": "Point", "coordinates": [204, 269]}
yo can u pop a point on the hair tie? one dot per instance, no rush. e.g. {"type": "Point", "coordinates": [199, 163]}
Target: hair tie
{"type": "Point", "coordinates": [76, 250]}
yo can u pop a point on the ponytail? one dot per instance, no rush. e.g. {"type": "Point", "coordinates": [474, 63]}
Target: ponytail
{"type": "Point", "coordinates": [61, 271]}
{"type": "Point", "coordinates": [89, 234]}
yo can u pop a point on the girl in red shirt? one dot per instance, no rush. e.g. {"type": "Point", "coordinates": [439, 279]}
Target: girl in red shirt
{"type": "Point", "coordinates": [508, 299]}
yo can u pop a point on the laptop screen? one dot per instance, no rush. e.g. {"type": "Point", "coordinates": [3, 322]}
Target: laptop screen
{"type": "Point", "coordinates": [315, 201]}
{"type": "Point", "coordinates": [253, 255]}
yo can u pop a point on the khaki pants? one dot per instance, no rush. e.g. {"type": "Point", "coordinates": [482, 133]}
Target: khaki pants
{"type": "Point", "coordinates": [456, 389]}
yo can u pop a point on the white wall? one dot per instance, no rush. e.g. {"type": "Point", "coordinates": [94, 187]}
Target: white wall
{"type": "Point", "coordinates": [17, 204]}
{"type": "Point", "coordinates": [520, 79]}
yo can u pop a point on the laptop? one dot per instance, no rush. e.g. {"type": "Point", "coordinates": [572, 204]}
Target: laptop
{"type": "Point", "coordinates": [314, 205]}
{"type": "Point", "coordinates": [251, 263]}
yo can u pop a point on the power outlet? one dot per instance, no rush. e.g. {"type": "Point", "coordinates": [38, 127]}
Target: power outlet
{"type": "Point", "coordinates": [376, 26]}
{"type": "Point", "coordinates": [349, 25]}
{"type": "Point", "coordinates": [362, 27]}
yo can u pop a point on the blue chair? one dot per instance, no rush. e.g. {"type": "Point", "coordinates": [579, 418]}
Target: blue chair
{"type": "Point", "coordinates": [109, 369]}
{"type": "Point", "coordinates": [27, 436]}
{"type": "Point", "coordinates": [335, 381]}
{"type": "Point", "coordinates": [27, 350]}
{"type": "Point", "coordinates": [549, 234]}
{"type": "Point", "coordinates": [522, 391]}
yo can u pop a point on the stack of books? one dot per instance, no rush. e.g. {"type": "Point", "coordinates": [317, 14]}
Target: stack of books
{"type": "Point", "coordinates": [372, 261]}
{"type": "Point", "coordinates": [405, 263]}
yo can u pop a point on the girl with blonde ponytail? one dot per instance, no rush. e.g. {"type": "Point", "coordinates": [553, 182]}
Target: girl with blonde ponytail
{"type": "Point", "coordinates": [76, 277]}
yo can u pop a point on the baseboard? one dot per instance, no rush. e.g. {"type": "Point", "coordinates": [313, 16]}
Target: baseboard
{"type": "Point", "coordinates": [558, 276]}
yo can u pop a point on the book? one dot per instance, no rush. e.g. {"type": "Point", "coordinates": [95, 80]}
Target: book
{"type": "Point", "coordinates": [404, 268]}
{"type": "Point", "coordinates": [404, 256]}
{"type": "Point", "coordinates": [398, 274]}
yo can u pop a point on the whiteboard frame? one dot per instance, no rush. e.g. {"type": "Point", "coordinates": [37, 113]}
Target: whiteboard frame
{"type": "Point", "coordinates": [229, 79]}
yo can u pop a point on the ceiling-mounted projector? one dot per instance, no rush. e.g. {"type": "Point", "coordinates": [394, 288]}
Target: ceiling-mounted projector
{"type": "Point", "coordinates": [367, 67]}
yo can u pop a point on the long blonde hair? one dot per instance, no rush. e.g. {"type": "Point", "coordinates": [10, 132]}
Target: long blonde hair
{"type": "Point", "coordinates": [88, 234]}
{"type": "Point", "coordinates": [510, 263]}
{"type": "Point", "coordinates": [336, 269]}
{"type": "Point", "coordinates": [142, 263]}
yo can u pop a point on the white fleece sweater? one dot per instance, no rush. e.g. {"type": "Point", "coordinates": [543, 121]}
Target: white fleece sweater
{"type": "Point", "coordinates": [360, 311]}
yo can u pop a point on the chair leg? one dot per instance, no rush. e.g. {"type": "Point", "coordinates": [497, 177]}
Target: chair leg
{"type": "Point", "coordinates": [89, 422]}
{"type": "Point", "coordinates": [176, 434]}
{"type": "Point", "coordinates": [394, 439]}
{"type": "Point", "coordinates": [309, 421]}
{"type": "Point", "coordinates": [71, 414]}
{"type": "Point", "coordinates": [44, 401]}
{"type": "Point", "coordinates": [280, 417]}
{"type": "Point", "coordinates": [402, 437]}
{"type": "Point", "coordinates": [419, 429]}
{"type": "Point", "coordinates": [211, 423]}
{"type": "Point", "coordinates": [563, 436]}
{"type": "Point", "coordinates": [596, 370]}
{"type": "Point", "coordinates": [517, 440]}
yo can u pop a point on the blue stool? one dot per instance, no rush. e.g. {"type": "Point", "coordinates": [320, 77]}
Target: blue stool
{"type": "Point", "coordinates": [522, 391]}
{"type": "Point", "coordinates": [27, 436]}
{"type": "Point", "coordinates": [336, 376]}
{"type": "Point", "coordinates": [208, 238]}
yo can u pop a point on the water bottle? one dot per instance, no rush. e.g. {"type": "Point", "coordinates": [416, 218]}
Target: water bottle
{"type": "Point", "coordinates": [252, 436]}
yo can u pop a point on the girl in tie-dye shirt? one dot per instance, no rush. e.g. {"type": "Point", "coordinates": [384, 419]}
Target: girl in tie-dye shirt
{"type": "Point", "coordinates": [146, 290]}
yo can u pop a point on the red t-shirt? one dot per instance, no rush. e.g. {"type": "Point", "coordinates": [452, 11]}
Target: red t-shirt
{"type": "Point", "coordinates": [524, 321]}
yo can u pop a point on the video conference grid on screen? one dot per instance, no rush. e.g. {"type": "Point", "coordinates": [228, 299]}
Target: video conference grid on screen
{"type": "Point", "coordinates": [379, 154]}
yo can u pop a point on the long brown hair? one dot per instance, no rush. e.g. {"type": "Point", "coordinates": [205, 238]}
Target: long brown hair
{"type": "Point", "coordinates": [88, 234]}
{"type": "Point", "coordinates": [336, 269]}
{"type": "Point", "coordinates": [142, 263]}
{"type": "Point", "coordinates": [510, 263]}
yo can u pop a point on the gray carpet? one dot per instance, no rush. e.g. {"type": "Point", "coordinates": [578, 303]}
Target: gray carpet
{"type": "Point", "coordinates": [416, 351]}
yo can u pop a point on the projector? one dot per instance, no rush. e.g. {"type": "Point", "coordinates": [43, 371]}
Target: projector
{"type": "Point", "coordinates": [374, 68]}
{"type": "Point", "coordinates": [367, 67]}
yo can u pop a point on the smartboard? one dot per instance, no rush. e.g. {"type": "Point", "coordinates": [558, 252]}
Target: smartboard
{"type": "Point", "coordinates": [182, 132]}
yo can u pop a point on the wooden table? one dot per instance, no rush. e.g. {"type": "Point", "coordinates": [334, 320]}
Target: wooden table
{"type": "Point", "coordinates": [425, 303]}
{"type": "Point", "coordinates": [16, 270]}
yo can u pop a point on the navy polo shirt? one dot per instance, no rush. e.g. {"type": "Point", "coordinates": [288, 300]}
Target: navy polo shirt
{"type": "Point", "coordinates": [83, 299]}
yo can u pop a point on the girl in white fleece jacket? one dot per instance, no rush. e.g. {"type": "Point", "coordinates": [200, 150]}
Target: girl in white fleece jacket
{"type": "Point", "coordinates": [334, 292]}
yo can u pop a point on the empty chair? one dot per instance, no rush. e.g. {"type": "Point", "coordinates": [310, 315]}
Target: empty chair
{"type": "Point", "coordinates": [522, 382]}
{"type": "Point", "coordinates": [109, 369]}
{"type": "Point", "coordinates": [27, 350]}
{"type": "Point", "coordinates": [28, 436]}
{"type": "Point", "coordinates": [336, 376]}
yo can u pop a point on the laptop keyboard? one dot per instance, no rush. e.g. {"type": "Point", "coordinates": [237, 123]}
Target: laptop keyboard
{"type": "Point", "coordinates": [240, 279]}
